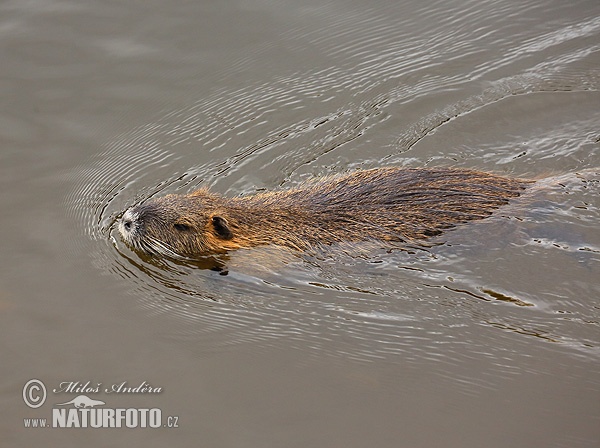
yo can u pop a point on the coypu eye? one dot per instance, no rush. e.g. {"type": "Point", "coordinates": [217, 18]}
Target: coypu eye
{"type": "Point", "coordinates": [181, 227]}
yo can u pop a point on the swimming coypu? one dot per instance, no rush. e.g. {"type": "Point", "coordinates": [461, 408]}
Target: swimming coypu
{"type": "Point", "coordinates": [386, 204]}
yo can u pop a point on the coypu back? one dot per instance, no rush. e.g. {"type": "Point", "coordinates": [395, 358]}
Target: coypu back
{"type": "Point", "coordinates": [389, 204]}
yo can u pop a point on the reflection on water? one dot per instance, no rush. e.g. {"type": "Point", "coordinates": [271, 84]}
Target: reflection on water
{"type": "Point", "coordinates": [489, 337]}
{"type": "Point", "coordinates": [488, 92]}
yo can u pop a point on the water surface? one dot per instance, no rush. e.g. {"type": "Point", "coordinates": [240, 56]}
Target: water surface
{"type": "Point", "coordinates": [488, 339]}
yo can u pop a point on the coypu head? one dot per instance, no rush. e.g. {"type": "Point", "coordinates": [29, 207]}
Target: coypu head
{"type": "Point", "coordinates": [178, 226]}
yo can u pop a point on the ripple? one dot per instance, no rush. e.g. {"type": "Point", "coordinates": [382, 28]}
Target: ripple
{"type": "Point", "coordinates": [410, 305]}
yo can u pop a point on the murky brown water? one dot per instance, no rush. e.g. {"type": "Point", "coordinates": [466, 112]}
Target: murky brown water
{"type": "Point", "coordinates": [490, 339]}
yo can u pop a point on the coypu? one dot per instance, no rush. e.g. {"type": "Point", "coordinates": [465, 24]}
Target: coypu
{"type": "Point", "coordinates": [384, 204]}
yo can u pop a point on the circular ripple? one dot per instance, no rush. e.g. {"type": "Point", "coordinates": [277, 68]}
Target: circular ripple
{"type": "Point", "coordinates": [424, 305]}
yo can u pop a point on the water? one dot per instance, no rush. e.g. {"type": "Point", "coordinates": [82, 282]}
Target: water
{"type": "Point", "coordinates": [490, 339]}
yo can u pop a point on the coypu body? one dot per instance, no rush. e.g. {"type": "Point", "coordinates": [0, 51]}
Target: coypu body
{"type": "Point", "coordinates": [385, 204]}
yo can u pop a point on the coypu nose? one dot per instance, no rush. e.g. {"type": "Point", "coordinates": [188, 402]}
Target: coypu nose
{"type": "Point", "coordinates": [127, 223]}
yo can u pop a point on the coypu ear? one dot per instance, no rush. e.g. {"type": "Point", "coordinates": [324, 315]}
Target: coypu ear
{"type": "Point", "coordinates": [222, 227]}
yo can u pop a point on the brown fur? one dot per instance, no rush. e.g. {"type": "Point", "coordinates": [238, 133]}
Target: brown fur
{"type": "Point", "coordinates": [387, 204]}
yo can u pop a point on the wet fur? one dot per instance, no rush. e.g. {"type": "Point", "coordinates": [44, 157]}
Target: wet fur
{"type": "Point", "coordinates": [388, 204]}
